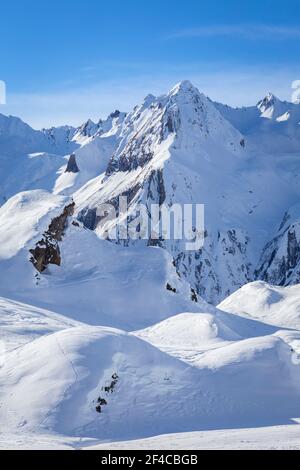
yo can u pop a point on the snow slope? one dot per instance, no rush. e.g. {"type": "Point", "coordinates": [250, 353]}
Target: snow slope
{"type": "Point", "coordinates": [278, 306]}
{"type": "Point", "coordinates": [284, 437]}
{"type": "Point", "coordinates": [62, 375]}
{"type": "Point", "coordinates": [24, 217]}
{"type": "Point", "coordinates": [265, 438]}
{"type": "Point", "coordinates": [21, 323]}
{"type": "Point", "coordinates": [98, 143]}
{"type": "Point", "coordinates": [126, 287]}
{"type": "Point", "coordinates": [188, 335]}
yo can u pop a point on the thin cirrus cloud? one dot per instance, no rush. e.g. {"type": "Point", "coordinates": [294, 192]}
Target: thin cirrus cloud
{"type": "Point", "coordinates": [247, 31]}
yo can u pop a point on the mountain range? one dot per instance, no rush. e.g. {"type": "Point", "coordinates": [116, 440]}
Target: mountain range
{"type": "Point", "coordinates": [110, 340]}
{"type": "Point", "coordinates": [241, 163]}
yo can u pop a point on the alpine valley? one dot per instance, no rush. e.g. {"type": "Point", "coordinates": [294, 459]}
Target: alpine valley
{"type": "Point", "coordinates": [122, 343]}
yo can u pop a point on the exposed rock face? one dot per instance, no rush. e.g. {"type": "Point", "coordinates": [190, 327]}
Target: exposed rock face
{"type": "Point", "coordinates": [47, 249]}
{"type": "Point", "coordinates": [280, 261]}
{"type": "Point", "coordinates": [115, 114]}
{"type": "Point", "coordinates": [89, 217]}
{"type": "Point", "coordinates": [228, 250]}
{"type": "Point", "coordinates": [156, 187]}
{"type": "Point", "coordinates": [72, 166]}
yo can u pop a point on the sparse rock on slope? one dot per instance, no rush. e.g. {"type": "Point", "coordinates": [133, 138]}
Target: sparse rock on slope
{"type": "Point", "coordinates": [271, 126]}
{"type": "Point", "coordinates": [47, 249]}
{"type": "Point", "coordinates": [31, 159]}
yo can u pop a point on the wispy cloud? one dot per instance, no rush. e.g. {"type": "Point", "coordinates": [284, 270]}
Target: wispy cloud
{"type": "Point", "coordinates": [248, 31]}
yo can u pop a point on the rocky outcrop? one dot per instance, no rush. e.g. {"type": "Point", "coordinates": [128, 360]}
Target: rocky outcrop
{"type": "Point", "coordinates": [107, 389]}
{"type": "Point", "coordinates": [72, 166]}
{"type": "Point", "coordinates": [47, 249]}
{"type": "Point", "coordinates": [115, 114]}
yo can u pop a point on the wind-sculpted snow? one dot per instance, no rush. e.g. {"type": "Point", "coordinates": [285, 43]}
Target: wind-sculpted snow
{"type": "Point", "coordinates": [24, 217]}
{"type": "Point", "coordinates": [201, 331]}
{"type": "Point", "coordinates": [65, 375]}
{"type": "Point", "coordinates": [21, 323]}
{"type": "Point", "coordinates": [278, 306]}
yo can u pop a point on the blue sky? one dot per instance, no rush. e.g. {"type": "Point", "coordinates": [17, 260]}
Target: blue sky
{"type": "Point", "coordinates": [64, 61]}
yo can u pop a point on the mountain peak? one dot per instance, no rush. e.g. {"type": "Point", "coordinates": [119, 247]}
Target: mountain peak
{"type": "Point", "coordinates": [269, 100]}
{"type": "Point", "coordinates": [185, 86]}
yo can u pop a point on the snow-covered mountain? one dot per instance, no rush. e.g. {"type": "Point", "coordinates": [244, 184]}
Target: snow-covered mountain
{"type": "Point", "coordinates": [119, 339]}
{"type": "Point", "coordinates": [271, 125]}
{"type": "Point", "coordinates": [175, 149]}
{"type": "Point", "coordinates": [32, 159]}
{"type": "Point", "coordinates": [183, 148]}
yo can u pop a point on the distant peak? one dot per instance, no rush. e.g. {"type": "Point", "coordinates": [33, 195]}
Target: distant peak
{"type": "Point", "coordinates": [86, 129]}
{"type": "Point", "coordinates": [269, 100]}
{"type": "Point", "coordinates": [149, 99]}
{"type": "Point", "coordinates": [115, 114]}
{"type": "Point", "coordinates": [87, 124]}
{"type": "Point", "coordinates": [89, 121]}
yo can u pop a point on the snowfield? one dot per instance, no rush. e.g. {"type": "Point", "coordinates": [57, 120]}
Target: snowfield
{"type": "Point", "coordinates": [278, 306]}
{"type": "Point", "coordinates": [22, 323]}
{"type": "Point", "coordinates": [118, 344]}
{"type": "Point", "coordinates": [266, 438]}
{"type": "Point", "coordinates": [143, 390]}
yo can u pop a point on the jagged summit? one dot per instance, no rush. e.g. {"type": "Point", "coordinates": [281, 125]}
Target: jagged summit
{"type": "Point", "coordinates": [269, 100]}
{"type": "Point", "coordinates": [115, 114]}
{"type": "Point", "coordinates": [87, 129]}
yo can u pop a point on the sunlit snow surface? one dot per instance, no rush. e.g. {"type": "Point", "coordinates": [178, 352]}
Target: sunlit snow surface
{"type": "Point", "coordinates": [104, 328]}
